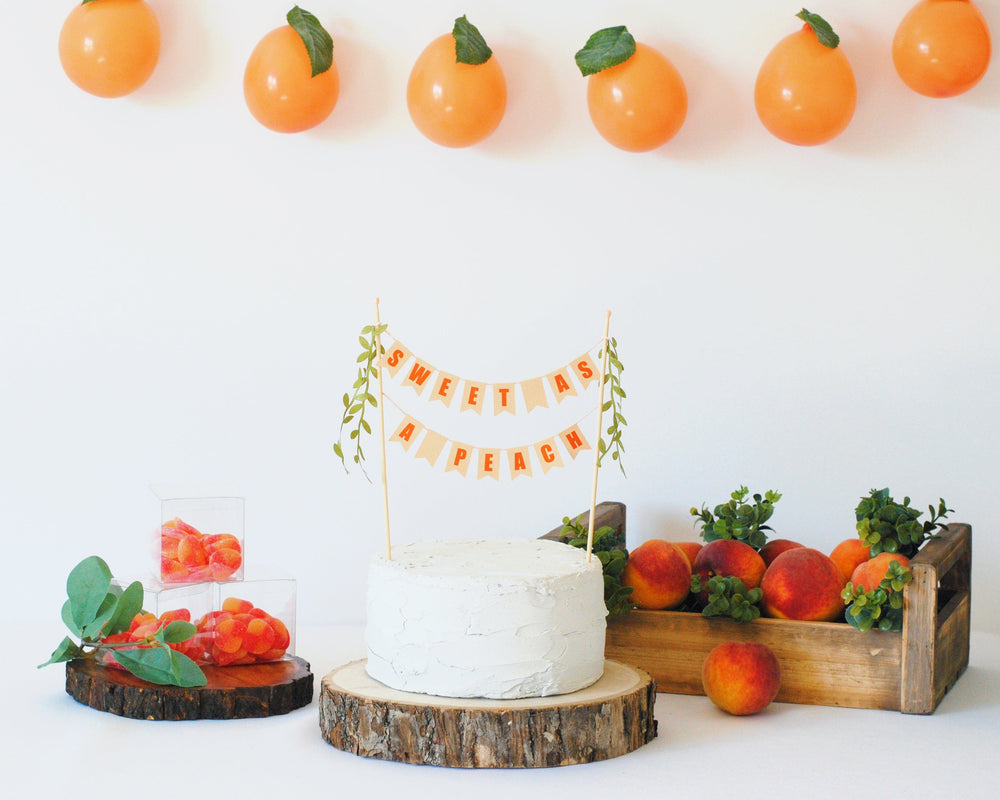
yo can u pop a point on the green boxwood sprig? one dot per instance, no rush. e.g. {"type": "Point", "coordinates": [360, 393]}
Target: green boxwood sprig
{"type": "Point", "coordinates": [609, 549]}
{"type": "Point", "coordinates": [890, 527]}
{"type": "Point", "coordinates": [883, 605]}
{"type": "Point", "coordinates": [728, 597]}
{"type": "Point", "coordinates": [96, 608]}
{"type": "Point", "coordinates": [738, 519]}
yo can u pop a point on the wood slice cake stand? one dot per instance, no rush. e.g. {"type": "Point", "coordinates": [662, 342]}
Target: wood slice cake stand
{"type": "Point", "coordinates": [253, 690]}
{"type": "Point", "coordinates": [610, 718]}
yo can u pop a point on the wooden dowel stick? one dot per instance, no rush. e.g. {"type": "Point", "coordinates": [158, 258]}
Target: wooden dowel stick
{"type": "Point", "coordinates": [597, 441]}
{"type": "Point", "coordinates": [381, 433]}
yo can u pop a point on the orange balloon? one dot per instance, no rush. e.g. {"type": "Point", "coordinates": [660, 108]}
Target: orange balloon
{"type": "Point", "coordinates": [279, 87]}
{"type": "Point", "coordinates": [453, 104]}
{"type": "Point", "coordinates": [109, 48]}
{"type": "Point", "coordinates": [805, 92]}
{"type": "Point", "coordinates": [942, 48]}
{"type": "Point", "coordinates": [639, 104]}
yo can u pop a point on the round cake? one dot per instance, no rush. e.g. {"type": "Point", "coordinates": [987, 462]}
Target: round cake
{"type": "Point", "coordinates": [497, 618]}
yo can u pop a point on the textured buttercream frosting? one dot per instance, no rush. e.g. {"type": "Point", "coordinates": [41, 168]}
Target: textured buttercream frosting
{"type": "Point", "coordinates": [498, 618]}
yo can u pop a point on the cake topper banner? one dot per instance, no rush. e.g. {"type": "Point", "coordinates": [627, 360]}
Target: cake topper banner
{"type": "Point", "coordinates": [398, 361]}
{"type": "Point", "coordinates": [465, 394]}
{"type": "Point", "coordinates": [487, 462]}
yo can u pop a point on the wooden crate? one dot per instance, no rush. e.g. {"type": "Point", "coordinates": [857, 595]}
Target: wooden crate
{"type": "Point", "coordinates": [825, 663]}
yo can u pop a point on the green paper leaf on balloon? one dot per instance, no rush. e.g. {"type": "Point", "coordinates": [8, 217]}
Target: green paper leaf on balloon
{"type": "Point", "coordinates": [606, 48]}
{"type": "Point", "coordinates": [470, 46]}
{"type": "Point", "coordinates": [319, 43]}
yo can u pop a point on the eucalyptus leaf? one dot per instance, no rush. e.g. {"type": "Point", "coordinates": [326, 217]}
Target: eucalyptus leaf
{"type": "Point", "coordinates": [67, 618]}
{"type": "Point", "coordinates": [319, 44]}
{"type": "Point", "coordinates": [92, 630]}
{"type": "Point", "coordinates": [87, 587]}
{"type": "Point", "coordinates": [161, 665]}
{"type": "Point", "coordinates": [129, 604]}
{"type": "Point", "coordinates": [178, 631]}
{"type": "Point", "coordinates": [66, 651]}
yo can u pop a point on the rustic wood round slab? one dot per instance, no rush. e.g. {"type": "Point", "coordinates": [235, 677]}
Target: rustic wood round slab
{"type": "Point", "coordinates": [253, 690]}
{"type": "Point", "coordinates": [608, 719]}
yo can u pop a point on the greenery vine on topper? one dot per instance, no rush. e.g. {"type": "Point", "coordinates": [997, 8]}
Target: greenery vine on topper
{"type": "Point", "coordinates": [356, 404]}
{"type": "Point", "coordinates": [890, 527]}
{"type": "Point", "coordinates": [97, 608]}
{"type": "Point", "coordinates": [883, 605]}
{"type": "Point", "coordinates": [738, 519]}
{"type": "Point", "coordinates": [609, 549]}
{"type": "Point", "coordinates": [613, 378]}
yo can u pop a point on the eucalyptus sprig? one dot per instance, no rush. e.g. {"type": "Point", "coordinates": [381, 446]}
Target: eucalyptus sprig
{"type": "Point", "coordinates": [356, 404]}
{"type": "Point", "coordinates": [613, 378]}
{"type": "Point", "coordinates": [97, 608]}
{"type": "Point", "coordinates": [890, 527]}
{"type": "Point", "coordinates": [738, 519]}
{"type": "Point", "coordinates": [883, 605]}
{"type": "Point", "coordinates": [609, 548]}
{"type": "Point", "coordinates": [728, 597]}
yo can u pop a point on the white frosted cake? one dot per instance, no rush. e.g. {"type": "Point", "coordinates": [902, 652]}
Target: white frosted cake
{"type": "Point", "coordinates": [497, 618]}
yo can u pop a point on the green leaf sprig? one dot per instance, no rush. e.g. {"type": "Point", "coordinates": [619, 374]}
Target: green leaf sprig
{"type": "Point", "coordinates": [319, 43]}
{"type": "Point", "coordinates": [356, 404]}
{"type": "Point", "coordinates": [728, 597]}
{"type": "Point", "coordinates": [613, 378]}
{"type": "Point", "coordinates": [97, 608]}
{"type": "Point", "coordinates": [738, 519]}
{"type": "Point", "coordinates": [883, 605]}
{"type": "Point", "coordinates": [823, 30]}
{"type": "Point", "coordinates": [890, 527]}
{"type": "Point", "coordinates": [470, 46]}
{"type": "Point", "coordinates": [609, 548]}
{"type": "Point", "coordinates": [606, 48]}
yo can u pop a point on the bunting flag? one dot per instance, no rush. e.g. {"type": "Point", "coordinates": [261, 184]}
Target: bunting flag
{"type": "Point", "coordinates": [481, 396]}
{"type": "Point", "coordinates": [487, 462]}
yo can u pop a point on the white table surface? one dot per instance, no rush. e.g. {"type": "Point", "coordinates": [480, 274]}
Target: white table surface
{"type": "Point", "coordinates": [54, 746]}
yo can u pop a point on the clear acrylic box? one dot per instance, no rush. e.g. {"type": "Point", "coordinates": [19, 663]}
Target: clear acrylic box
{"type": "Point", "coordinates": [162, 604]}
{"type": "Point", "coordinates": [198, 539]}
{"type": "Point", "coordinates": [245, 622]}
{"type": "Point", "coordinates": [253, 621]}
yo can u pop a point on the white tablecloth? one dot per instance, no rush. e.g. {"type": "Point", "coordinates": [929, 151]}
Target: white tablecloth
{"type": "Point", "coordinates": [55, 746]}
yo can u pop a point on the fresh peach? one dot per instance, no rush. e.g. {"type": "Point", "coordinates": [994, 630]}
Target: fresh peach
{"type": "Point", "coordinates": [729, 557]}
{"type": "Point", "coordinates": [659, 574]}
{"type": "Point", "coordinates": [776, 547]}
{"type": "Point", "coordinates": [690, 549]}
{"type": "Point", "coordinates": [871, 572]}
{"type": "Point", "coordinates": [804, 584]}
{"type": "Point", "coordinates": [741, 677]}
{"type": "Point", "coordinates": [848, 554]}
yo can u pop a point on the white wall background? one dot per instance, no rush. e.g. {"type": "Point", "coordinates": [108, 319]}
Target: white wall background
{"type": "Point", "coordinates": [182, 288]}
